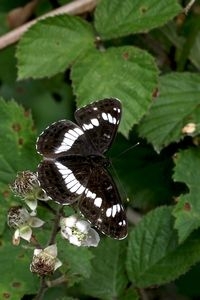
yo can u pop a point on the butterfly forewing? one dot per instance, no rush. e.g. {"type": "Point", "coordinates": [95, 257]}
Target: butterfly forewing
{"type": "Point", "coordinates": [101, 204]}
{"type": "Point", "coordinates": [62, 138]}
{"type": "Point", "coordinates": [100, 121]}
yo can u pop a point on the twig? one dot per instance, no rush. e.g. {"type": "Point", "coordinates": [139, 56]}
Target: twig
{"type": "Point", "coordinates": [74, 8]}
{"type": "Point", "coordinates": [188, 6]}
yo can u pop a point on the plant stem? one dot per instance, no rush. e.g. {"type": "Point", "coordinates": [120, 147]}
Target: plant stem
{"type": "Point", "coordinates": [42, 289]}
{"type": "Point", "coordinates": [55, 226]}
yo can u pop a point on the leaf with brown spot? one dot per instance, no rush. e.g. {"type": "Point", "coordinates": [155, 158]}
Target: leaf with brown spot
{"type": "Point", "coordinates": [18, 152]}
{"type": "Point", "coordinates": [187, 209]}
{"type": "Point", "coordinates": [17, 280]}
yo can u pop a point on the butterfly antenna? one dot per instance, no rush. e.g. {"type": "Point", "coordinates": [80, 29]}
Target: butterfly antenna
{"type": "Point", "coordinates": [128, 149]}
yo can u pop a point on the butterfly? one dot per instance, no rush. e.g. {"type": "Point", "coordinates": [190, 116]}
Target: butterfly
{"type": "Point", "coordinates": [74, 167]}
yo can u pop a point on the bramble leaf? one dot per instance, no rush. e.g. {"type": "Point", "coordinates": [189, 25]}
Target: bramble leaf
{"type": "Point", "coordinates": [51, 45]}
{"type": "Point", "coordinates": [187, 210]}
{"type": "Point", "coordinates": [154, 254]}
{"type": "Point", "coordinates": [118, 18]}
{"type": "Point", "coordinates": [176, 106]}
{"type": "Point", "coordinates": [17, 280]}
{"type": "Point", "coordinates": [108, 278]}
{"type": "Point", "coordinates": [17, 137]}
{"type": "Point", "coordinates": [126, 73]}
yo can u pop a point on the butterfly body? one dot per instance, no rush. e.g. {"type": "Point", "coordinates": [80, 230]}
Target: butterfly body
{"type": "Point", "coordinates": [74, 166]}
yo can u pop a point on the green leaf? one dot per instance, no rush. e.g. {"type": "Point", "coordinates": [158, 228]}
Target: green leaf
{"type": "Point", "coordinates": [76, 261]}
{"type": "Point", "coordinates": [17, 280]}
{"type": "Point", "coordinates": [17, 136]}
{"type": "Point", "coordinates": [154, 255]}
{"type": "Point", "coordinates": [187, 210]}
{"type": "Point", "coordinates": [194, 52]}
{"type": "Point", "coordinates": [51, 45]}
{"type": "Point", "coordinates": [118, 18]}
{"type": "Point", "coordinates": [126, 73]}
{"type": "Point", "coordinates": [108, 278]}
{"type": "Point", "coordinates": [176, 106]}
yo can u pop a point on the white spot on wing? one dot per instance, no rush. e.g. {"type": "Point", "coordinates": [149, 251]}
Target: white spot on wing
{"type": "Point", "coordinates": [95, 122]}
{"type": "Point", "coordinates": [80, 190]}
{"type": "Point", "coordinates": [71, 183]}
{"type": "Point", "coordinates": [75, 187]}
{"type": "Point", "coordinates": [109, 187]}
{"type": "Point", "coordinates": [98, 202]}
{"type": "Point", "coordinates": [68, 140]}
{"type": "Point", "coordinates": [73, 133]}
{"type": "Point", "coordinates": [89, 194]}
{"type": "Point", "coordinates": [107, 135]}
{"type": "Point", "coordinates": [70, 180]}
{"type": "Point", "coordinates": [104, 116]}
{"type": "Point", "coordinates": [78, 130]}
{"type": "Point", "coordinates": [87, 126]}
{"type": "Point", "coordinates": [110, 119]}
{"type": "Point", "coordinates": [114, 120]}
{"type": "Point", "coordinates": [109, 212]}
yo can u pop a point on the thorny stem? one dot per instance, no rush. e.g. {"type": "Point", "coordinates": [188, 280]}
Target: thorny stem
{"type": "Point", "coordinates": [74, 8]}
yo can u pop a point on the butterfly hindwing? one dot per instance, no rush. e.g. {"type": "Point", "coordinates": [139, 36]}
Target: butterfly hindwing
{"type": "Point", "coordinates": [100, 121]}
{"type": "Point", "coordinates": [63, 183]}
{"type": "Point", "coordinates": [101, 204]}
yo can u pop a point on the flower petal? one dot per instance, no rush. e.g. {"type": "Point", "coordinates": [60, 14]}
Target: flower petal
{"type": "Point", "coordinates": [83, 226]}
{"type": "Point", "coordinates": [32, 204]}
{"type": "Point", "coordinates": [51, 250]}
{"type": "Point", "coordinates": [26, 233]}
{"type": "Point", "coordinates": [35, 222]}
{"type": "Point", "coordinates": [74, 240]}
{"type": "Point", "coordinates": [58, 264]}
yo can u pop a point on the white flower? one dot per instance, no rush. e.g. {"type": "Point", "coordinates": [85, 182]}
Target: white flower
{"type": "Point", "coordinates": [78, 232]}
{"type": "Point", "coordinates": [27, 186]}
{"type": "Point", "coordinates": [45, 261]}
{"type": "Point", "coordinates": [20, 219]}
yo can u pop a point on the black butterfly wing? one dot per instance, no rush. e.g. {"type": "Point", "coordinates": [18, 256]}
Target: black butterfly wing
{"type": "Point", "coordinates": [64, 179]}
{"type": "Point", "coordinates": [62, 138]}
{"type": "Point", "coordinates": [100, 121]}
{"type": "Point", "coordinates": [101, 204]}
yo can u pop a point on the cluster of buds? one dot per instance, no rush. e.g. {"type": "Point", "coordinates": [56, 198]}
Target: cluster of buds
{"type": "Point", "coordinates": [78, 232]}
